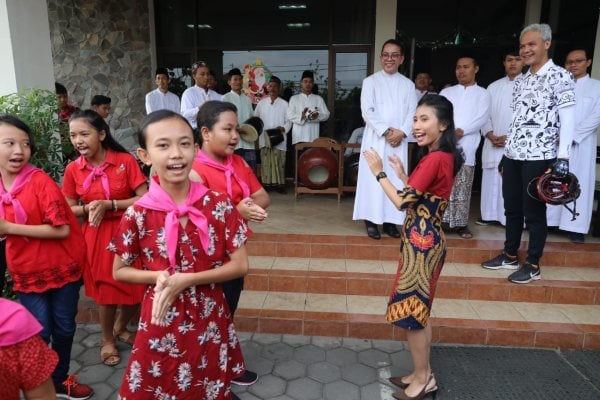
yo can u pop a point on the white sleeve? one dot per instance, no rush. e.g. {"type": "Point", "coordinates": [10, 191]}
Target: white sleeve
{"type": "Point", "coordinates": [567, 128]}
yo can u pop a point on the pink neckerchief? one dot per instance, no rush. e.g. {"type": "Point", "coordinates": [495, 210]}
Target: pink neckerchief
{"type": "Point", "coordinates": [16, 323]}
{"type": "Point", "coordinates": [21, 180]}
{"type": "Point", "coordinates": [96, 172]}
{"type": "Point", "coordinates": [226, 167]}
{"type": "Point", "coordinates": [159, 200]}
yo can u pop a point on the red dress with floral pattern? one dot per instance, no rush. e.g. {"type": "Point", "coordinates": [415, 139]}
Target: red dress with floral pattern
{"type": "Point", "coordinates": [196, 354]}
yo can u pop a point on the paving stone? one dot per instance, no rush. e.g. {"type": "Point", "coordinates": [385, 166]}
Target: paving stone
{"type": "Point", "coordinates": [402, 360]}
{"type": "Point", "coordinates": [92, 340]}
{"type": "Point", "coordinates": [377, 391]}
{"type": "Point", "coordinates": [268, 386]}
{"type": "Point", "coordinates": [266, 338]}
{"type": "Point", "coordinates": [324, 372]}
{"type": "Point", "coordinates": [277, 352]}
{"type": "Point", "coordinates": [116, 378]}
{"type": "Point", "coordinates": [341, 390]}
{"type": "Point", "coordinates": [359, 374]}
{"type": "Point", "coordinates": [244, 336]}
{"type": "Point", "coordinates": [374, 358]}
{"type": "Point", "coordinates": [74, 366]}
{"type": "Point", "coordinates": [76, 349]}
{"type": "Point", "coordinates": [309, 354]}
{"type": "Point", "coordinates": [91, 356]}
{"type": "Point", "coordinates": [389, 346]}
{"type": "Point", "coordinates": [305, 389]}
{"type": "Point", "coordinates": [95, 374]}
{"type": "Point", "coordinates": [296, 340]}
{"type": "Point", "coordinates": [103, 391]}
{"type": "Point", "coordinates": [326, 342]}
{"type": "Point", "coordinates": [80, 334]}
{"type": "Point", "coordinates": [91, 328]}
{"type": "Point", "coordinates": [251, 349]}
{"type": "Point", "coordinates": [284, 397]}
{"type": "Point", "coordinates": [260, 365]}
{"type": "Point", "coordinates": [248, 396]}
{"type": "Point", "coordinates": [357, 344]}
{"type": "Point", "coordinates": [341, 356]}
{"type": "Point", "coordinates": [290, 369]}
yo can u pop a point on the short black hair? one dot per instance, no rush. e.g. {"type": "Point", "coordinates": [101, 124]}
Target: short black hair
{"type": "Point", "coordinates": [162, 71]}
{"type": "Point", "coordinates": [60, 89]}
{"type": "Point", "coordinates": [99, 99]}
{"type": "Point", "coordinates": [157, 116]}
{"type": "Point", "coordinates": [469, 55]}
{"type": "Point", "coordinates": [209, 112]}
{"type": "Point", "coordinates": [17, 123]}
{"type": "Point", "coordinates": [275, 79]}
{"type": "Point", "coordinates": [513, 51]}
{"type": "Point", "coordinates": [234, 72]}
{"type": "Point", "coordinates": [588, 55]}
{"type": "Point", "coordinates": [394, 42]}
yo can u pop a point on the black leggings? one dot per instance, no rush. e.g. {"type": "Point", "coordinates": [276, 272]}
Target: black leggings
{"type": "Point", "coordinates": [232, 290]}
{"type": "Point", "coordinates": [520, 207]}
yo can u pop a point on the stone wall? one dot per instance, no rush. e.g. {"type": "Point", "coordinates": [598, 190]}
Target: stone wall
{"type": "Point", "coordinates": [103, 47]}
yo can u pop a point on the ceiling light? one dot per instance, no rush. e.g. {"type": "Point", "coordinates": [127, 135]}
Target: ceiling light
{"type": "Point", "coordinates": [200, 26]}
{"type": "Point", "coordinates": [292, 6]}
{"type": "Point", "coordinates": [298, 25]}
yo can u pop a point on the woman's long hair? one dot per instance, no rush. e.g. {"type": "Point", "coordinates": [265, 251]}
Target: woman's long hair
{"type": "Point", "coordinates": [445, 114]}
{"type": "Point", "coordinates": [94, 119]}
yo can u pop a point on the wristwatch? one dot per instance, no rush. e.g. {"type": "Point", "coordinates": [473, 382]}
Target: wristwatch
{"type": "Point", "coordinates": [381, 175]}
{"type": "Point", "coordinates": [387, 132]}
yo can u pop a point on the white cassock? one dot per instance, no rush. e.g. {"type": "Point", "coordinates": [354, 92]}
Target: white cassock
{"type": "Point", "coordinates": [471, 111]}
{"type": "Point", "coordinates": [492, 201]}
{"type": "Point", "coordinates": [582, 159]}
{"type": "Point", "coordinates": [386, 101]}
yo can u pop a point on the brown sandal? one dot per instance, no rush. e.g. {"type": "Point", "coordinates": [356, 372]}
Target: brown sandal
{"type": "Point", "coordinates": [126, 336]}
{"type": "Point", "coordinates": [109, 353]}
{"type": "Point", "coordinates": [464, 232]}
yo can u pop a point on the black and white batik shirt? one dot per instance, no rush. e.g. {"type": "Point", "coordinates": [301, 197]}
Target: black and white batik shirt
{"type": "Point", "coordinates": [534, 131]}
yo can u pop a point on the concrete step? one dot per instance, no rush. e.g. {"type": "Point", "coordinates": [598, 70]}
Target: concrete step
{"type": "Point", "coordinates": [559, 285]}
{"type": "Point", "coordinates": [560, 254]}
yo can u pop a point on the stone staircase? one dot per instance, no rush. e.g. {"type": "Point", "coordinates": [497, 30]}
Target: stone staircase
{"type": "Point", "coordinates": [338, 286]}
{"type": "Point", "coordinates": [330, 285]}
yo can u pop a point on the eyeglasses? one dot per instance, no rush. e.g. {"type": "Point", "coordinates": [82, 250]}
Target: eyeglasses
{"type": "Point", "coordinates": [393, 56]}
{"type": "Point", "coordinates": [578, 61]}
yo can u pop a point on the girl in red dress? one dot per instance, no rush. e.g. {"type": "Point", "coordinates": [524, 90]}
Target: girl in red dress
{"type": "Point", "coordinates": [217, 167]}
{"type": "Point", "coordinates": [188, 239]}
{"type": "Point", "coordinates": [423, 246]}
{"type": "Point", "coordinates": [99, 185]}
{"type": "Point", "coordinates": [45, 250]}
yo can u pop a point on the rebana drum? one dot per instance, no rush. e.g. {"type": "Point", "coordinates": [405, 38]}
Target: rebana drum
{"type": "Point", "coordinates": [318, 168]}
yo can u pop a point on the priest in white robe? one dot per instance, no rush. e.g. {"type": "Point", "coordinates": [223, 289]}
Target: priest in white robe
{"type": "Point", "coordinates": [472, 105]}
{"type": "Point", "coordinates": [583, 151]}
{"type": "Point", "coordinates": [388, 103]}
{"type": "Point", "coordinates": [495, 133]}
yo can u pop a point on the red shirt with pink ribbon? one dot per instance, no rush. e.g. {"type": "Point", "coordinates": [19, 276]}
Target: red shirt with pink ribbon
{"type": "Point", "coordinates": [233, 177]}
{"type": "Point", "coordinates": [37, 265]}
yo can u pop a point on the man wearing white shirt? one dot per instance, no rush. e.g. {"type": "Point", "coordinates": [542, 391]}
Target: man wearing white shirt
{"type": "Point", "coordinates": [539, 140]}
{"type": "Point", "coordinates": [273, 112]}
{"type": "Point", "coordinates": [244, 111]}
{"type": "Point", "coordinates": [583, 150]}
{"type": "Point", "coordinates": [422, 84]}
{"type": "Point", "coordinates": [306, 111]}
{"type": "Point", "coordinates": [193, 97]}
{"type": "Point", "coordinates": [388, 102]}
{"type": "Point", "coordinates": [472, 105]}
{"type": "Point", "coordinates": [495, 133]}
{"type": "Point", "coordinates": [160, 98]}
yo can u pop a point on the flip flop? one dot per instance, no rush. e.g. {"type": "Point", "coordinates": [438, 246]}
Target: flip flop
{"type": "Point", "coordinates": [125, 336]}
{"type": "Point", "coordinates": [109, 353]}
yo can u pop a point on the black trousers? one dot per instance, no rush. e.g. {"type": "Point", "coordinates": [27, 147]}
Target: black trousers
{"type": "Point", "coordinates": [232, 290]}
{"type": "Point", "coordinates": [520, 207]}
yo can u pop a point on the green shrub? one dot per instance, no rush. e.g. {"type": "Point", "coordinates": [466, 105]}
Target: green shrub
{"type": "Point", "coordinates": [38, 109]}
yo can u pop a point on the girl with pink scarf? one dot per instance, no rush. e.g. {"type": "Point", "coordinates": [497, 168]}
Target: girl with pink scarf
{"type": "Point", "coordinates": [188, 239]}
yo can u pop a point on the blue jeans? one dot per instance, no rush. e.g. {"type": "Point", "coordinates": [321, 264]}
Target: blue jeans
{"type": "Point", "coordinates": [55, 310]}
